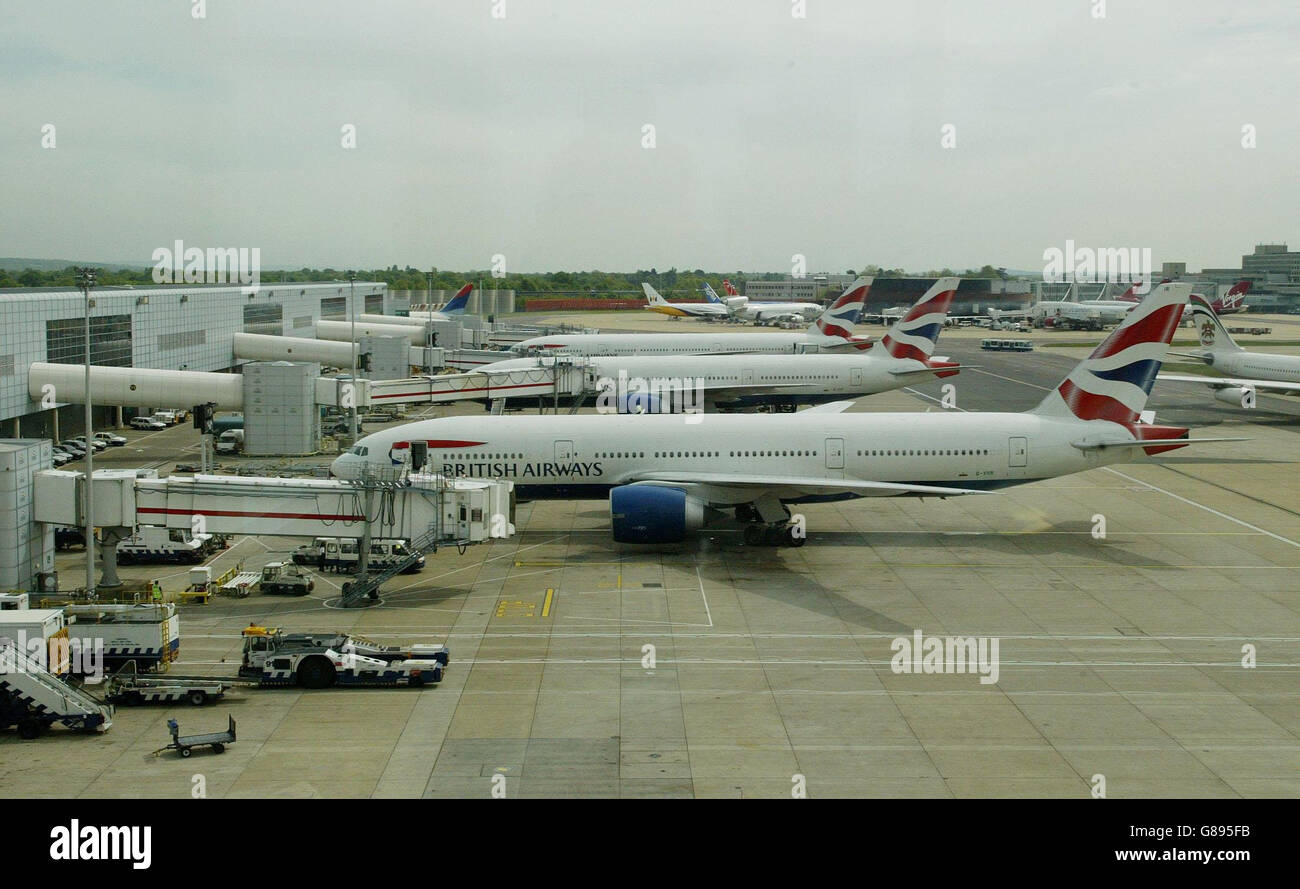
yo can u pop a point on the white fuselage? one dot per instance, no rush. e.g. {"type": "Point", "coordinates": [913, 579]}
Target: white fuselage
{"type": "Point", "coordinates": [676, 343]}
{"type": "Point", "coordinates": [691, 310]}
{"type": "Point", "coordinates": [1259, 366]}
{"type": "Point", "coordinates": [582, 456]}
{"type": "Point", "coordinates": [801, 378]}
{"type": "Point", "coordinates": [758, 311]}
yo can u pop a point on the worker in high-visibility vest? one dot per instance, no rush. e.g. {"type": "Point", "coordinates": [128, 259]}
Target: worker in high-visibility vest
{"type": "Point", "coordinates": [157, 591]}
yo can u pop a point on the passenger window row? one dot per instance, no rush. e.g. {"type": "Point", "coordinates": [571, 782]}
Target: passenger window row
{"type": "Point", "coordinates": [940, 453]}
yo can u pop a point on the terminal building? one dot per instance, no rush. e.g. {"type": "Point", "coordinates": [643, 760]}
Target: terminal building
{"type": "Point", "coordinates": [189, 328]}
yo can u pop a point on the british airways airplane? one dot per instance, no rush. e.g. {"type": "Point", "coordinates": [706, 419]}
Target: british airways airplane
{"type": "Point", "coordinates": [833, 330]}
{"type": "Point", "coordinates": [732, 382]}
{"type": "Point", "coordinates": [666, 475]}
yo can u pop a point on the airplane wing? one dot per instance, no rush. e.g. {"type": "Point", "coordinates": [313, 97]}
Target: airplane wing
{"type": "Point", "coordinates": [1273, 386]}
{"type": "Point", "coordinates": [950, 369]}
{"type": "Point", "coordinates": [1103, 444]}
{"type": "Point", "coordinates": [730, 487]}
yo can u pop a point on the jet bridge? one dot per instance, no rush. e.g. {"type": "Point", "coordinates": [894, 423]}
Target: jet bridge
{"type": "Point", "coordinates": [428, 510]}
{"type": "Point", "coordinates": [557, 379]}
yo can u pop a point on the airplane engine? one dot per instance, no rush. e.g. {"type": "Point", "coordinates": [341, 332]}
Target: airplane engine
{"type": "Point", "coordinates": [639, 403]}
{"type": "Point", "coordinates": [653, 514]}
{"type": "Point", "coordinates": [1237, 396]}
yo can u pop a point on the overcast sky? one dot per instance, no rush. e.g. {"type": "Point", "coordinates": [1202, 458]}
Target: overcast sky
{"type": "Point", "coordinates": [774, 135]}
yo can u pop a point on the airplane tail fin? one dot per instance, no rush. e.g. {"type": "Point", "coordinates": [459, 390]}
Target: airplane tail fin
{"type": "Point", "coordinates": [1130, 295]}
{"type": "Point", "coordinates": [456, 305]}
{"type": "Point", "coordinates": [1113, 383]}
{"type": "Point", "coordinates": [730, 288]}
{"type": "Point", "coordinates": [709, 294]}
{"type": "Point", "coordinates": [1210, 331]}
{"type": "Point", "coordinates": [1233, 298]}
{"type": "Point", "coordinates": [653, 295]}
{"type": "Point", "coordinates": [914, 335]}
{"type": "Point", "coordinates": [841, 317]}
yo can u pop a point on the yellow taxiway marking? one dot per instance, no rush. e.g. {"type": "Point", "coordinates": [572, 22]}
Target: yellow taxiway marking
{"type": "Point", "coordinates": [529, 609]}
{"type": "Point", "coordinates": [546, 605]}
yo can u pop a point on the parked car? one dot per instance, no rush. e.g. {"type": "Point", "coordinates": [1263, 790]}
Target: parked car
{"type": "Point", "coordinates": [60, 458]}
{"type": "Point", "coordinates": [95, 443]}
{"type": "Point", "coordinates": [110, 439]}
{"type": "Point", "coordinates": [147, 423]}
{"type": "Point", "coordinates": [76, 450]}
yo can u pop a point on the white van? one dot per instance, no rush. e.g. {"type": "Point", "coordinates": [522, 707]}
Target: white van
{"type": "Point", "coordinates": [339, 554]}
{"type": "Point", "coordinates": [230, 442]}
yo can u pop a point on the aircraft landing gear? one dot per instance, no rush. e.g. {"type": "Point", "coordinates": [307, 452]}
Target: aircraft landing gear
{"type": "Point", "coordinates": [746, 513]}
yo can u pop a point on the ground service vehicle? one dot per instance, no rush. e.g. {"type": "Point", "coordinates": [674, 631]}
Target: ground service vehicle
{"type": "Point", "coordinates": [279, 578]}
{"type": "Point", "coordinates": [339, 554]}
{"type": "Point", "coordinates": [148, 423]}
{"type": "Point", "coordinates": [150, 544]}
{"type": "Point", "coordinates": [320, 660]}
{"type": "Point", "coordinates": [231, 441]}
{"type": "Point", "coordinates": [185, 744]}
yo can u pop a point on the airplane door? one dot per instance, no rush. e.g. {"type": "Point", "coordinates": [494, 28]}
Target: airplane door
{"type": "Point", "coordinates": [747, 376]}
{"type": "Point", "coordinates": [1018, 451]}
{"type": "Point", "coordinates": [856, 378]}
{"type": "Point", "coordinates": [835, 457]}
{"type": "Point", "coordinates": [564, 450]}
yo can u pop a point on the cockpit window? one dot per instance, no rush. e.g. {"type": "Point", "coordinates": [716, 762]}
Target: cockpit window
{"type": "Point", "coordinates": [359, 451]}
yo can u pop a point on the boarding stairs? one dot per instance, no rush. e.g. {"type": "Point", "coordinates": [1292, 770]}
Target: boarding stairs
{"type": "Point", "coordinates": [46, 697]}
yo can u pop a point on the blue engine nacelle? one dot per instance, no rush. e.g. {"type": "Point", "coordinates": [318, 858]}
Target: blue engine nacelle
{"type": "Point", "coordinates": [653, 514]}
{"type": "Point", "coordinates": [638, 403]}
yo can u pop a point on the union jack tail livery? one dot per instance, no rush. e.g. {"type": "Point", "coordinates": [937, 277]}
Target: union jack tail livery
{"type": "Point", "coordinates": [914, 335]}
{"type": "Point", "coordinates": [841, 317]}
{"type": "Point", "coordinates": [1113, 383]}
{"type": "Point", "coordinates": [456, 305]}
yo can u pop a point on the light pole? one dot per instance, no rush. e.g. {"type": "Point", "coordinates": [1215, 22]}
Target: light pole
{"type": "Point", "coordinates": [352, 304]}
{"type": "Point", "coordinates": [428, 325]}
{"type": "Point", "coordinates": [85, 281]}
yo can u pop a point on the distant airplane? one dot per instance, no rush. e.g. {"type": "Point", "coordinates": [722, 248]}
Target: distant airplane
{"type": "Point", "coordinates": [833, 330]}
{"type": "Point", "coordinates": [454, 307]}
{"type": "Point", "coordinates": [684, 310]}
{"type": "Point", "coordinates": [744, 307]}
{"type": "Point", "coordinates": [1251, 372]}
{"type": "Point", "coordinates": [1230, 303]}
{"type": "Point", "coordinates": [901, 358]}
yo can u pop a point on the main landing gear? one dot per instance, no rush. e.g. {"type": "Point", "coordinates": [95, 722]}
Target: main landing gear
{"type": "Point", "coordinates": [763, 533]}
